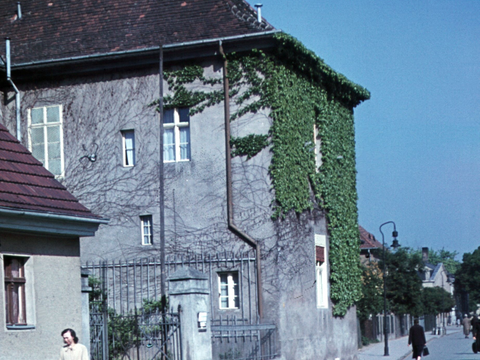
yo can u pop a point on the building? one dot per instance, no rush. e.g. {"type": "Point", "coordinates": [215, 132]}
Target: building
{"type": "Point", "coordinates": [40, 226]}
{"type": "Point", "coordinates": [271, 170]}
{"type": "Point", "coordinates": [370, 247]}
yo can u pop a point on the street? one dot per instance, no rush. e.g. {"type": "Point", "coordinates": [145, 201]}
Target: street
{"type": "Point", "coordinates": [449, 347]}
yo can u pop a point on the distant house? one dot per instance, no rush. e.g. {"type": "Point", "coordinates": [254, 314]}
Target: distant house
{"type": "Point", "coordinates": [40, 227]}
{"type": "Point", "coordinates": [368, 243]}
{"type": "Point", "coordinates": [435, 275]}
{"type": "Point", "coordinates": [254, 153]}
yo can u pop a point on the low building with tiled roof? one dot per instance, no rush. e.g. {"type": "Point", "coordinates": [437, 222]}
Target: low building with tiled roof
{"type": "Point", "coordinates": [368, 243]}
{"type": "Point", "coordinates": [254, 146]}
{"type": "Point", "coordinates": [40, 226]}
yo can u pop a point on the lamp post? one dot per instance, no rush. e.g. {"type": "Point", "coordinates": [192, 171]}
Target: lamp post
{"type": "Point", "coordinates": [395, 244]}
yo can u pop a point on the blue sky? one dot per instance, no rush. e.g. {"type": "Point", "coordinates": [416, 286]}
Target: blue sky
{"type": "Point", "coordinates": [418, 148]}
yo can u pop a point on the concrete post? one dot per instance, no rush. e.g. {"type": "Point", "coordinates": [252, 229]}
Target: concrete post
{"type": "Point", "coordinates": [189, 288]}
{"type": "Point", "coordinates": [85, 334]}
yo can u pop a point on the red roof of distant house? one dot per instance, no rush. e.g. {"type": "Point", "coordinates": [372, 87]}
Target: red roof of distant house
{"type": "Point", "coordinates": [368, 240]}
{"type": "Point", "coordinates": [25, 185]}
{"type": "Point", "coordinates": [60, 29]}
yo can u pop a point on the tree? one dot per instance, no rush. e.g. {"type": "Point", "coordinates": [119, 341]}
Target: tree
{"type": "Point", "coordinates": [404, 286]}
{"type": "Point", "coordinates": [371, 301]}
{"type": "Point", "coordinates": [468, 277]}
{"type": "Point", "coordinates": [436, 300]}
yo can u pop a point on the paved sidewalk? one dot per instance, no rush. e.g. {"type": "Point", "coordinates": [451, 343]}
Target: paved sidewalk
{"type": "Point", "coordinates": [397, 348]}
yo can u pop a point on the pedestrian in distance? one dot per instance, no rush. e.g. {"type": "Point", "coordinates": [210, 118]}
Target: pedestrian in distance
{"type": "Point", "coordinates": [416, 338]}
{"type": "Point", "coordinates": [72, 349]}
{"type": "Point", "coordinates": [466, 326]}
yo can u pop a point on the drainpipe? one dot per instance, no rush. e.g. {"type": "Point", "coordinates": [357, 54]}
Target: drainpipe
{"type": "Point", "coordinates": [162, 183]}
{"type": "Point", "coordinates": [231, 226]}
{"type": "Point", "coordinates": [17, 93]}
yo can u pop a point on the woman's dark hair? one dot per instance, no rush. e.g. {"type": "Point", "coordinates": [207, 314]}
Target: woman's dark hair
{"type": "Point", "coordinates": [72, 332]}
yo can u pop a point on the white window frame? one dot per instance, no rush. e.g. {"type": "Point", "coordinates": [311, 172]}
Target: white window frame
{"type": "Point", "coordinates": [128, 147]}
{"type": "Point", "coordinates": [321, 273]}
{"type": "Point", "coordinates": [176, 126]}
{"type": "Point", "coordinates": [45, 125]}
{"type": "Point", "coordinates": [232, 290]}
{"type": "Point", "coordinates": [146, 223]}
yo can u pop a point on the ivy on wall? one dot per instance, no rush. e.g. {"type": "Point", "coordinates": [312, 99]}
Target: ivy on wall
{"type": "Point", "coordinates": [302, 92]}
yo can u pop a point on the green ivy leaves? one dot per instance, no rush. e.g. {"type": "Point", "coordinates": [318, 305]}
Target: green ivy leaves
{"type": "Point", "coordinates": [249, 145]}
{"type": "Point", "coordinates": [302, 93]}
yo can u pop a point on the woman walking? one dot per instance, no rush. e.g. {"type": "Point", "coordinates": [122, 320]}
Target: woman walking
{"type": "Point", "coordinates": [416, 337]}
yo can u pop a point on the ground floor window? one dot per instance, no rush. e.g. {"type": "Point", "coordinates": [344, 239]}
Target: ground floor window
{"type": "Point", "coordinates": [15, 301]}
{"type": "Point", "coordinates": [228, 290]}
{"type": "Point", "coordinates": [321, 274]}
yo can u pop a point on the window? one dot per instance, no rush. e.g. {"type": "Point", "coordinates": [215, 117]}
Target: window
{"type": "Point", "coordinates": [15, 303]}
{"type": "Point", "coordinates": [228, 290]}
{"type": "Point", "coordinates": [176, 136]}
{"type": "Point", "coordinates": [46, 137]}
{"type": "Point", "coordinates": [128, 147]}
{"type": "Point", "coordinates": [317, 142]}
{"type": "Point", "coordinates": [321, 275]}
{"type": "Point", "coordinates": [146, 223]}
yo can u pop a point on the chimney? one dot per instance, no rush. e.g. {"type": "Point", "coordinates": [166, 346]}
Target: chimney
{"type": "Point", "coordinates": [259, 12]}
{"type": "Point", "coordinates": [425, 254]}
{"type": "Point", "coordinates": [19, 10]}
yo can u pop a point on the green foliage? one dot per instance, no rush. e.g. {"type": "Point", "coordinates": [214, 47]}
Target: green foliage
{"type": "Point", "coordinates": [468, 277]}
{"type": "Point", "coordinates": [372, 292]}
{"type": "Point", "coordinates": [404, 286]}
{"type": "Point", "coordinates": [301, 92]}
{"type": "Point", "coordinates": [123, 329]}
{"type": "Point", "coordinates": [249, 145]}
{"type": "Point", "coordinates": [436, 300]}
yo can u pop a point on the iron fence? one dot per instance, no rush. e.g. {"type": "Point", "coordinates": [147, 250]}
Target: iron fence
{"type": "Point", "coordinates": [124, 286]}
{"type": "Point", "coordinates": [136, 336]}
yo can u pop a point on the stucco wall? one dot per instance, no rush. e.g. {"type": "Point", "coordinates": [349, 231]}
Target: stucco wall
{"type": "Point", "coordinates": [98, 108]}
{"type": "Point", "coordinates": [53, 295]}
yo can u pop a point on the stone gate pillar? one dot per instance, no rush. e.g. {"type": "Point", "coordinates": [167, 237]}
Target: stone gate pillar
{"type": "Point", "coordinates": [189, 288]}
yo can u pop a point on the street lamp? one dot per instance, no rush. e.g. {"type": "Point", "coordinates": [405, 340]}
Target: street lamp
{"type": "Point", "coordinates": [395, 244]}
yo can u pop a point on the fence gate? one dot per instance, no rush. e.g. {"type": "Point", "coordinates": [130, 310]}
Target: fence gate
{"type": "Point", "coordinates": [138, 336]}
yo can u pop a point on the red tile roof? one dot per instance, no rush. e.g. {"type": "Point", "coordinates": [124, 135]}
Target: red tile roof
{"type": "Point", "coordinates": [54, 29]}
{"type": "Point", "coordinates": [25, 185]}
{"type": "Point", "coordinates": [368, 240]}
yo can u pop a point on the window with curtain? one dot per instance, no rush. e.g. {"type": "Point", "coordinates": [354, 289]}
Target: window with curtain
{"type": "Point", "coordinates": [321, 274]}
{"type": "Point", "coordinates": [15, 301]}
{"type": "Point", "coordinates": [176, 136]}
{"type": "Point", "coordinates": [45, 137]}
{"type": "Point", "coordinates": [128, 146]}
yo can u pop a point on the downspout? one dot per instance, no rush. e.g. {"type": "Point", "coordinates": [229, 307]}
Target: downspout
{"type": "Point", "coordinates": [17, 93]}
{"type": "Point", "coordinates": [162, 184]}
{"type": "Point", "coordinates": [231, 226]}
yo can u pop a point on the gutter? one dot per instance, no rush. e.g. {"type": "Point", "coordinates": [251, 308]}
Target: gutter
{"type": "Point", "coordinates": [53, 216]}
{"type": "Point", "coordinates": [228, 158]}
{"type": "Point", "coordinates": [146, 50]}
